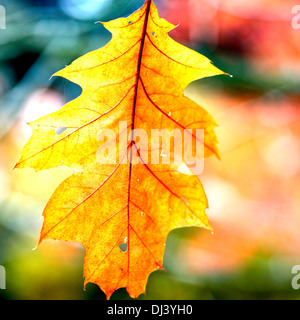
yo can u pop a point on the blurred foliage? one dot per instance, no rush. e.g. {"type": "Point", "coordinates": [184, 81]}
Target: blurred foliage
{"type": "Point", "coordinates": [253, 192]}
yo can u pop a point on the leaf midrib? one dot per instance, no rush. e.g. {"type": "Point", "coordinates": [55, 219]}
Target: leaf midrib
{"type": "Point", "coordinates": [138, 75]}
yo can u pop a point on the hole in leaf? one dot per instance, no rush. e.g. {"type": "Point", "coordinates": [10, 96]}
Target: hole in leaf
{"type": "Point", "coordinates": [129, 22]}
{"type": "Point", "coordinates": [123, 247]}
{"type": "Point", "coordinates": [60, 130]}
{"type": "Point", "coordinates": [153, 33]}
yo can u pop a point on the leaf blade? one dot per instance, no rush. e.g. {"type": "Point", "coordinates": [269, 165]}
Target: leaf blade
{"type": "Point", "coordinates": [103, 206]}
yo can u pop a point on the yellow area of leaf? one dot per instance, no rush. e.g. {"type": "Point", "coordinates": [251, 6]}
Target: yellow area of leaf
{"type": "Point", "coordinates": [138, 78]}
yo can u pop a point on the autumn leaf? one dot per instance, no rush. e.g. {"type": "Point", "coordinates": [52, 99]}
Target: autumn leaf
{"type": "Point", "coordinates": [117, 204]}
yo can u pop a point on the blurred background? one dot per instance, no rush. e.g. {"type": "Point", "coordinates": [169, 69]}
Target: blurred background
{"type": "Point", "coordinates": [254, 191]}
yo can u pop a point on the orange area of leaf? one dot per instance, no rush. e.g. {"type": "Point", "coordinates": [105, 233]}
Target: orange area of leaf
{"type": "Point", "coordinates": [139, 78]}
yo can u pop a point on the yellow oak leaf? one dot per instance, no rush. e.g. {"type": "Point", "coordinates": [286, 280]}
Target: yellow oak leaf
{"type": "Point", "coordinates": [118, 203]}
